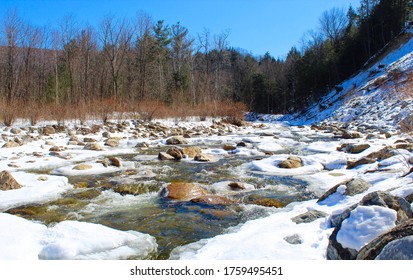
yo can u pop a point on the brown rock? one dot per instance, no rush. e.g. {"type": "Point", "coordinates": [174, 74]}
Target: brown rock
{"type": "Point", "coordinates": [291, 162]}
{"type": "Point", "coordinates": [236, 186]}
{"type": "Point", "coordinates": [191, 152]}
{"type": "Point", "coordinates": [184, 191]}
{"type": "Point", "coordinates": [203, 157]}
{"type": "Point", "coordinates": [212, 200]}
{"type": "Point", "coordinates": [175, 152]}
{"type": "Point", "coordinates": [228, 147]}
{"type": "Point", "coordinates": [7, 181]}
{"type": "Point", "coordinates": [176, 140]}
{"type": "Point", "coordinates": [48, 130]}
{"type": "Point", "coordinates": [112, 142]}
{"type": "Point", "coordinates": [114, 161]}
{"type": "Point", "coordinates": [11, 144]}
{"type": "Point", "coordinates": [93, 147]}
{"type": "Point", "coordinates": [165, 156]}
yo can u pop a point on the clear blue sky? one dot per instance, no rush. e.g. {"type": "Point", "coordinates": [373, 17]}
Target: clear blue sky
{"type": "Point", "coordinates": [257, 26]}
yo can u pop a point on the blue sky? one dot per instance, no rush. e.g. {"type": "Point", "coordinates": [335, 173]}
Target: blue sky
{"type": "Point", "coordinates": [257, 26]}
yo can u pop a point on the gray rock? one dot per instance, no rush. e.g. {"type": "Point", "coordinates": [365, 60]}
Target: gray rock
{"type": "Point", "coordinates": [294, 239]}
{"type": "Point", "coordinates": [353, 187]}
{"type": "Point", "coordinates": [165, 156]}
{"type": "Point", "coordinates": [372, 250]}
{"type": "Point", "coordinates": [399, 204]}
{"type": "Point", "coordinates": [399, 249]}
{"type": "Point", "coordinates": [309, 217]}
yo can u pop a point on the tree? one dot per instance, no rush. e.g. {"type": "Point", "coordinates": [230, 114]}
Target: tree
{"type": "Point", "coordinates": [333, 24]}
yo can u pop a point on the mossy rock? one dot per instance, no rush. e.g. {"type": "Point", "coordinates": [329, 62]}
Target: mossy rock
{"type": "Point", "coordinates": [137, 189]}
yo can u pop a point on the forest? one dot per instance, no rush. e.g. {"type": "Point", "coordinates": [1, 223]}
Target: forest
{"type": "Point", "coordinates": [158, 69]}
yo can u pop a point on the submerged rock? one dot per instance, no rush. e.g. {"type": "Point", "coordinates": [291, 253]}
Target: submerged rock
{"type": "Point", "coordinates": [7, 181]}
{"type": "Point", "coordinates": [82, 167]}
{"type": "Point", "coordinates": [184, 191]}
{"type": "Point", "coordinates": [212, 200]}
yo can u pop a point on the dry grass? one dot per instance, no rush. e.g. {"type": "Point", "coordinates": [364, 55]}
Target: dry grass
{"type": "Point", "coordinates": [104, 110]}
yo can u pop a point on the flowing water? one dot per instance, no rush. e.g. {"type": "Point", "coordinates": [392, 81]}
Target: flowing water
{"type": "Point", "coordinates": [100, 199]}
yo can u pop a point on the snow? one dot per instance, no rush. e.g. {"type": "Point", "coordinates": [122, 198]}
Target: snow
{"type": "Point", "coordinates": [365, 224]}
{"type": "Point", "coordinates": [25, 240]}
{"type": "Point", "coordinates": [36, 189]}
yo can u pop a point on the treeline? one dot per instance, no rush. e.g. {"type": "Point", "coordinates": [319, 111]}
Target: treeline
{"type": "Point", "coordinates": [146, 66]}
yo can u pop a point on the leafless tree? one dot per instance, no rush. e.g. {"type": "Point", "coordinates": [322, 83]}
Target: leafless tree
{"type": "Point", "coordinates": [333, 23]}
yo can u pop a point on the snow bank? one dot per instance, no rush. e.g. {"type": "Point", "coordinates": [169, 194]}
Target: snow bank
{"type": "Point", "coordinates": [36, 189]}
{"type": "Point", "coordinates": [364, 224]}
{"type": "Point", "coordinates": [25, 240]}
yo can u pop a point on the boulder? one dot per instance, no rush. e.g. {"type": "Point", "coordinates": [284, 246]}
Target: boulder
{"type": "Point", "coordinates": [184, 191]}
{"type": "Point", "coordinates": [176, 140]}
{"type": "Point", "coordinates": [15, 130]}
{"type": "Point", "coordinates": [175, 152]}
{"type": "Point", "coordinates": [48, 130]}
{"type": "Point", "coordinates": [395, 244]}
{"type": "Point", "coordinates": [308, 217]}
{"type": "Point", "coordinates": [114, 161]}
{"type": "Point", "coordinates": [291, 162]}
{"type": "Point", "coordinates": [89, 140]}
{"type": "Point", "coordinates": [294, 239]}
{"type": "Point", "coordinates": [399, 204]}
{"type": "Point", "coordinates": [381, 154]}
{"type": "Point", "coordinates": [7, 181]}
{"type": "Point", "coordinates": [11, 144]}
{"type": "Point", "coordinates": [203, 157]}
{"type": "Point", "coordinates": [351, 188]}
{"type": "Point", "coordinates": [212, 200]}
{"type": "Point", "coordinates": [165, 156]}
{"type": "Point", "coordinates": [353, 148]}
{"type": "Point", "coordinates": [112, 142]}
{"type": "Point", "coordinates": [191, 152]}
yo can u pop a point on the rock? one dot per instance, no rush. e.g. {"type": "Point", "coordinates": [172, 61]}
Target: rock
{"type": "Point", "coordinates": [48, 130]}
{"type": "Point", "coordinates": [294, 239]}
{"type": "Point", "coordinates": [142, 145]}
{"type": "Point", "coordinates": [399, 204]}
{"type": "Point", "coordinates": [291, 162]}
{"type": "Point", "coordinates": [264, 201]}
{"type": "Point", "coordinates": [241, 144]}
{"type": "Point", "coordinates": [184, 191]}
{"type": "Point", "coordinates": [56, 149]}
{"type": "Point", "coordinates": [229, 147]}
{"type": "Point", "coordinates": [137, 189]}
{"type": "Point", "coordinates": [7, 181]}
{"type": "Point", "coordinates": [114, 161]}
{"type": "Point", "coordinates": [96, 128]}
{"type": "Point", "coordinates": [176, 140]}
{"type": "Point", "coordinates": [382, 154]}
{"type": "Point", "coordinates": [395, 244]}
{"type": "Point", "coordinates": [175, 152]}
{"type": "Point", "coordinates": [89, 140]}
{"type": "Point", "coordinates": [351, 134]}
{"type": "Point", "coordinates": [353, 148]}
{"type": "Point", "coordinates": [165, 156]}
{"type": "Point", "coordinates": [203, 157]}
{"type": "Point", "coordinates": [11, 144]}
{"type": "Point", "coordinates": [112, 142]}
{"type": "Point", "coordinates": [335, 251]}
{"type": "Point", "coordinates": [236, 186]}
{"type": "Point", "coordinates": [308, 217]}
{"type": "Point", "coordinates": [351, 188]}
{"type": "Point", "coordinates": [93, 147]}
{"type": "Point", "coordinates": [106, 135]}
{"type": "Point", "coordinates": [82, 166]}
{"type": "Point", "coordinates": [191, 152]}
{"type": "Point", "coordinates": [42, 178]}
{"type": "Point", "coordinates": [15, 130]}
{"type": "Point", "coordinates": [212, 200]}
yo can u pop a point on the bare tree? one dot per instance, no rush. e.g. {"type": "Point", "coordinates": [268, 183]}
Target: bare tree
{"type": "Point", "coordinates": [115, 37]}
{"type": "Point", "coordinates": [333, 24]}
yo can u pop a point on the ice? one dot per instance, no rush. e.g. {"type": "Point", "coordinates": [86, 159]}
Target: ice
{"type": "Point", "coordinates": [23, 239]}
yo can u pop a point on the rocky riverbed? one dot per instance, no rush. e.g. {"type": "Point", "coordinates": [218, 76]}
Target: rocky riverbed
{"type": "Point", "coordinates": [204, 190]}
